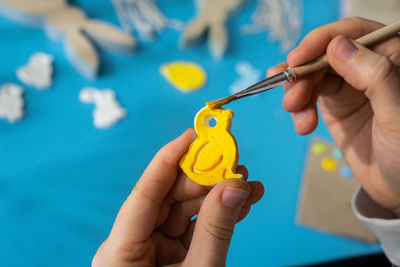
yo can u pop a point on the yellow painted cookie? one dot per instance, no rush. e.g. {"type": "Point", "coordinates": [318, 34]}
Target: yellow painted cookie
{"type": "Point", "coordinates": [185, 76]}
{"type": "Point", "coordinates": [213, 156]}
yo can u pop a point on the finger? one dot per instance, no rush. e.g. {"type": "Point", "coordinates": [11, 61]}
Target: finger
{"type": "Point", "coordinates": [390, 49]}
{"type": "Point", "coordinates": [306, 120]}
{"type": "Point", "coordinates": [137, 218]}
{"type": "Point", "coordinates": [277, 69]}
{"type": "Point", "coordinates": [330, 85]}
{"type": "Point", "coordinates": [180, 216]}
{"type": "Point", "coordinates": [181, 213]}
{"type": "Point", "coordinates": [316, 42]}
{"type": "Point", "coordinates": [299, 94]}
{"type": "Point", "coordinates": [188, 235]}
{"type": "Point", "coordinates": [338, 100]}
{"type": "Point", "coordinates": [185, 189]}
{"type": "Point", "coordinates": [256, 192]}
{"type": "Point", "coordinates": [243, 171]}
{"type": "Point", "coordinates": [371, 73]}
{"type": "Point", "coordinates": [186, 239]}
{"type": "Point", "coordinates": [167, 250]}
{"type": "Point", "coordinates": [215, 223]}
{"type": "Point", "coordinates": [243, 213]}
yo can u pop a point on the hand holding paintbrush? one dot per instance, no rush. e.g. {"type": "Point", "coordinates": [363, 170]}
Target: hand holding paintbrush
{"type": "Point", "coordinates": [360, 103]}
{"type": "Point", "coordinates": [317, 64]}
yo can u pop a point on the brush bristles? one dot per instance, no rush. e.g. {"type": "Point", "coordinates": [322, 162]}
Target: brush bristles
{"type": "Point", "coordinates": [220, 102]}
{"type": "Point", "coordinates": [213, 104]}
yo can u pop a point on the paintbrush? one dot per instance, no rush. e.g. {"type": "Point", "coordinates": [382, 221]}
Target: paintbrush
{"type": "Point", "coordinates": [297, 72]}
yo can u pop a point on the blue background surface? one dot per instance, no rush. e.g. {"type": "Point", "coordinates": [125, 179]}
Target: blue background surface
{"type": "Point", "coordinates": [62, 181]}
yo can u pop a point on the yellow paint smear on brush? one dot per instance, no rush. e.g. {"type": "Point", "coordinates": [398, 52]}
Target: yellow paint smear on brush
{"type": "Point", "coordinates": [185, 76]}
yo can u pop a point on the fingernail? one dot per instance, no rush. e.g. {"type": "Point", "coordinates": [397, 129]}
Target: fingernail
{"type": "Point", "coordinates": [226, 181]}
{"type": "Point", "coordinates": [345, 49]}
{"type": "Point", "coordinates": [233, 197]}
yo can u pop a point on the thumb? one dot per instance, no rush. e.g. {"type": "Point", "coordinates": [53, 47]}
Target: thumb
{"type": "Point", "coordinates": [215, 223]}
{"type": "Point", "coordinates": [370, 72]}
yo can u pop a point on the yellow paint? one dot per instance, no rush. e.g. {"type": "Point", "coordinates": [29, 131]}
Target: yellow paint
{"type": "Point", "coordinates": [185, 76]}
{"type": "Point", "coordinates": [213, 156]}
{"type": "Point", "coordinates": [319, 148]}
{"type": "Point", "coordinates": [329, 164]}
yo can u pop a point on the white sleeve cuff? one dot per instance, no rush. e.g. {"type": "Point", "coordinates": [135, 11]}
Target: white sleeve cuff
{"type": "Point", "coordinates": [382, 222]}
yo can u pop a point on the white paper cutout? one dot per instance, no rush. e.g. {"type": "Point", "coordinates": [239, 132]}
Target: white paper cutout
{"type": "Point", "coordinates": [283, 18]}
{"type": "Point", "coordinates": [11, 102]}
{"type": "Point", "coordinates": [144, 17]}
{"type": "Point", "coordinates": [38, 71]}
{"type": "Point", "coordinates": [107, 111]}
{"type": "Point", "coordinates": [248, 75]}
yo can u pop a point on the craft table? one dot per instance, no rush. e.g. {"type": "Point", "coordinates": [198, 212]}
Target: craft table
{"type": "Point", "coordinates": [62, 181]}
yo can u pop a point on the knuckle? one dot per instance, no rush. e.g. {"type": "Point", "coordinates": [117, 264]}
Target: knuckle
{"type": "Point", "coordinates": [395, 53]}
{"type": "Point", "coordinates": [165, 160]}
{"type": "Point", "coordinates": [219, 231]}
{"type": "Point", "coordinates": [382, 70]}
{"type": "Point", "coordinates": [148, 197]}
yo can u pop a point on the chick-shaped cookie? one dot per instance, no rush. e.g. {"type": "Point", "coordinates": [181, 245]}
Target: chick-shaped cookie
{"type": "Point", "coordinates": [213, 156]}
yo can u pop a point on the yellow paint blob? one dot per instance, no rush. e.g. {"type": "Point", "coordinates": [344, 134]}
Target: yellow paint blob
{"type": "Point", "coordinates": [213, 156]}
{"type": "Point", "coordinates": [185, 76]}
{"type": "Point", "coordinates": [319, 148]}
{"type": "Point", "coordinates": [329, 164]}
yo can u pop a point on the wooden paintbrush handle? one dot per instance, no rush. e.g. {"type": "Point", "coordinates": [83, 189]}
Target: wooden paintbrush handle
{"type": "Point", "coordinates": [367, 40]}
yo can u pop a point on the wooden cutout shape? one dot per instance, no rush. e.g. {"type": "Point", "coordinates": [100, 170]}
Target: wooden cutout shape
{"type": "Point", "coordinates": [212, 15]}
{"type": "Point", "coordinates": [69, 24]}
{"type": "Point", "coordinates": [213, 156]}
{"type": "Point", "coordinates": [326, 197]}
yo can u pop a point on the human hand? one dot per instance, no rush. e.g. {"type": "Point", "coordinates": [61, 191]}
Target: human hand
{"type": "Point", "coordinates": [360, 104]}
{"type": "Point", "coordinates": [155, 228]}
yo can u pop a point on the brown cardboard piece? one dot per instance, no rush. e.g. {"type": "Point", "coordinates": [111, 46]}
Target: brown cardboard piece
{"type": "Point", "coordinates": [326, 198]}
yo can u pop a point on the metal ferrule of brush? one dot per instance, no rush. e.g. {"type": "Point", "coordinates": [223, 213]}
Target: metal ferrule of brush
{"type": "Point", "coordinates": [290, 75]}
{"type": "Point", "coordinates": [265, 85]}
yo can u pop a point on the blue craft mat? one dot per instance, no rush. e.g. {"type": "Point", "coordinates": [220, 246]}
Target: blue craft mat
{"type": "Point", "coordinates": [62, 181]}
